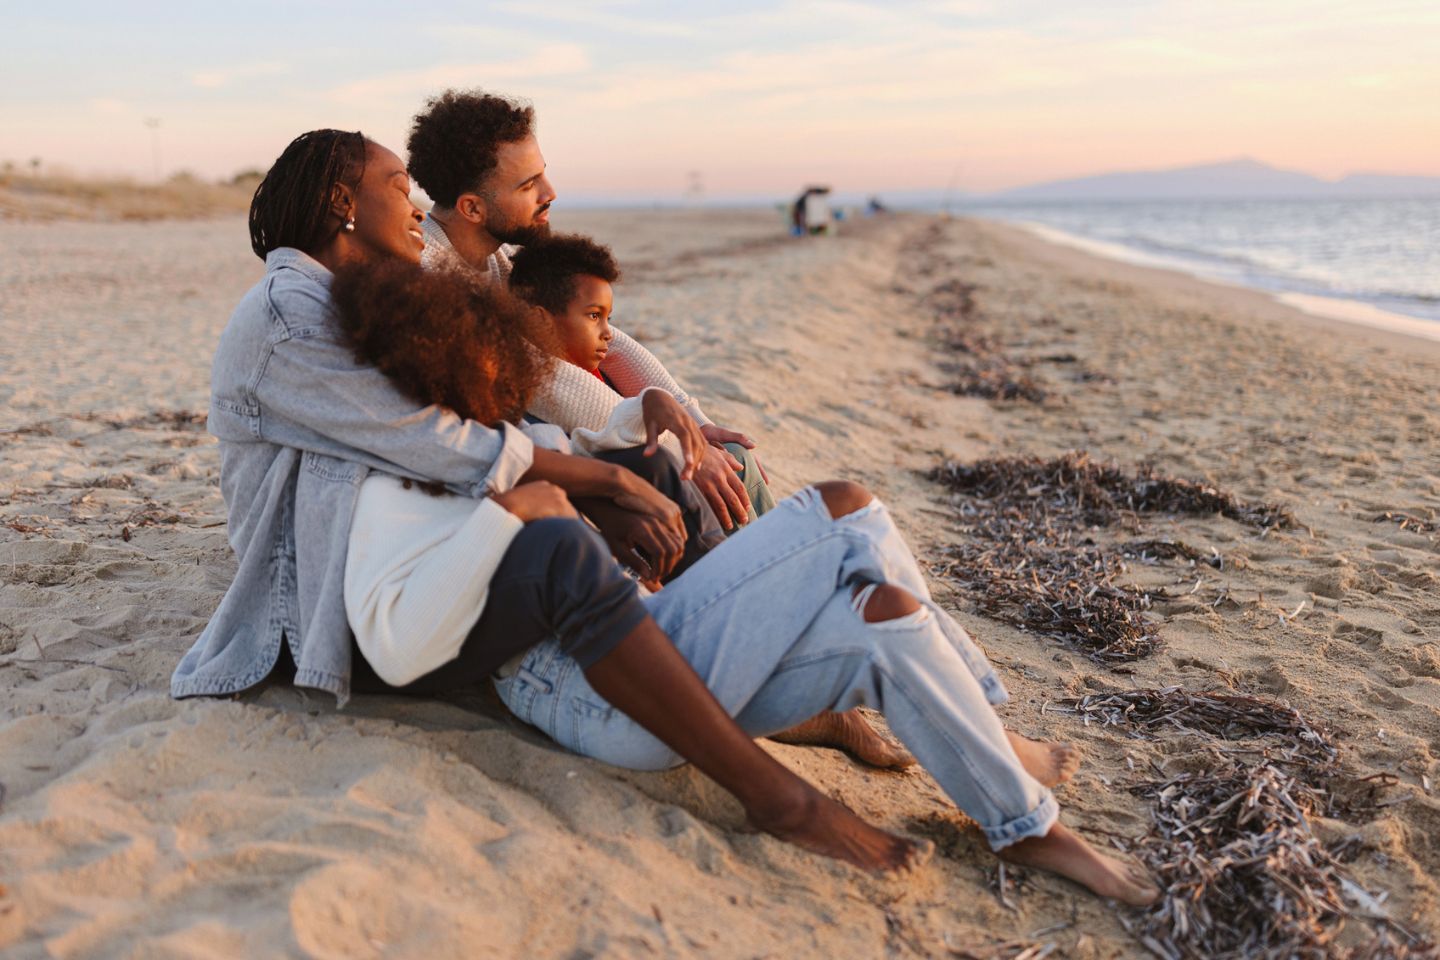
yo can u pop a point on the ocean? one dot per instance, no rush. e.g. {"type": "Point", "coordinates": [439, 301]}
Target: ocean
{"type": "Point", "coordinates": [1382, 256]}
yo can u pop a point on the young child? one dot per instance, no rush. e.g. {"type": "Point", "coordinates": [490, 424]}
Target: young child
{"type": "Point", "coordinates": [567, 279]}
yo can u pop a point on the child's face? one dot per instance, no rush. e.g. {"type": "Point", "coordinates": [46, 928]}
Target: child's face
{"type": "Point", "coordinates": [584, 327]}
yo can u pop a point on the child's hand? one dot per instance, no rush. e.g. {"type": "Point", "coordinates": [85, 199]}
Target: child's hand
{"type": "Point", "coordinates": [663, 412]}
{"type": "Point", "coordinates": [536, 500]}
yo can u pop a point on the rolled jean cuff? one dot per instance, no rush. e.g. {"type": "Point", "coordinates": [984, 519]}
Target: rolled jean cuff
{"type": "Point", "coordinates": [1036, 823]}
{"type": "Point", "coordinates": [604, 635]}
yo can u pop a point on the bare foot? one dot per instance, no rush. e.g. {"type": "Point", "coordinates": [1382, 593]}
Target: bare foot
{"type": "Point", "coordinates": [817, 823]}
{"type": "Point", "coordinates": [851, 732]}
{"type": "Point", "coordinates": [1050, 763]}
{"type": "Point", "coordinates": [1066, 853]}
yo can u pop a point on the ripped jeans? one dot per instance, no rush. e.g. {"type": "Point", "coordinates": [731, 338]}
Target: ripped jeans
{"type": "Point", "coordinates": [770, 622]}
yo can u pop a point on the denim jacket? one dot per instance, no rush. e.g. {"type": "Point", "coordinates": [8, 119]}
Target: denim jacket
{"type": "Point", "coordinates": [300, 424]}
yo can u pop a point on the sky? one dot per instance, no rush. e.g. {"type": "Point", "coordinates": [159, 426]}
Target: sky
{"type": "Point", "coordinates": [637, 99]}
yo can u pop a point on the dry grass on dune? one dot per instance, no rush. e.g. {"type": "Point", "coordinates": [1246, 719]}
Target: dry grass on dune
{"type": "Point", "coordinates": [182, 197]}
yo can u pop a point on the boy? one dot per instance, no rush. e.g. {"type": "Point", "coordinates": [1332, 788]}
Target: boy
{"type": "Point", "coordinates": [567, 279]}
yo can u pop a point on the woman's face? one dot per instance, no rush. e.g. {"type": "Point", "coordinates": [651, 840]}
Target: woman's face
{"type": "Point", "coordinates": [387, 224]}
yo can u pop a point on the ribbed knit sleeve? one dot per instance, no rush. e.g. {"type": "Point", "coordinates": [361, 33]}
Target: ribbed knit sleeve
{"type": "Point", "coordinates": [632, 368]}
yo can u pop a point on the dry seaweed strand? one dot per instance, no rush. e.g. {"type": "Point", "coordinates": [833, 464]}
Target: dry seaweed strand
{"type": "Point", "coordinates": [1226, 716]}
{"type": "Point", "coordinates": [1407, 521]}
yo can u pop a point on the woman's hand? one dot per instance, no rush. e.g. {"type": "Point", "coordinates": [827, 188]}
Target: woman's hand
{"type": "Point", "coordinates": [663, 412]}
{"type": "Point", "coordinates": [536, 500]}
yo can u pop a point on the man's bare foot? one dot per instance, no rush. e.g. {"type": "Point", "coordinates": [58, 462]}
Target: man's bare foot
{"type": "Point", "coordinates": [814, 822]}
{"type": "Point", "coordinates": [851, 732]}
{"type": "Point", "coordinates": [1050, 763]}
{"type": "Point", "coordinates": [1066, 853]}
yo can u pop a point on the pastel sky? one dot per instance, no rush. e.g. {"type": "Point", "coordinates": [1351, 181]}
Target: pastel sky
{"type": "Point", "coordinates": [757, 97]}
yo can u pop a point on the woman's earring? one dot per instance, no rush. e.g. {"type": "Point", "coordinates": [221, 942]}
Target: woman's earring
{"type": "Point", "coordinates": [350, 225]}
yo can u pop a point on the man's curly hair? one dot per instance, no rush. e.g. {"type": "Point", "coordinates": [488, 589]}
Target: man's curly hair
{"type": "Point", "coordinates": [442, 339]}
{"type": "Point", "coordinates": [454, 141]}
{"type": "Point", "coordinates": [544, 272]}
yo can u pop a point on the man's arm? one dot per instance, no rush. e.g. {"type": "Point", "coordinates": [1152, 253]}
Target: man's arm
{"type": "Point", "coordinates": [632, 368]}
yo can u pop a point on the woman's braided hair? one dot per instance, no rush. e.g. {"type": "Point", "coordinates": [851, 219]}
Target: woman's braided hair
{"type": "Point", "coordinates": [291, 207]}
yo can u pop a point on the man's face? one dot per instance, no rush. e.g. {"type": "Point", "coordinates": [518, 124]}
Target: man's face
{"type": "Point", "coordinates": [518, 194]}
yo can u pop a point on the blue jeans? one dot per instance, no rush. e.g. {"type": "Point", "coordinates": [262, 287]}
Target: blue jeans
{"type": "Point", "coordinates": [768, 621]}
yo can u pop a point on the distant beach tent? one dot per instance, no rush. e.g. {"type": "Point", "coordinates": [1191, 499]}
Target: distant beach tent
{"type": "Point", "coordinates": [810, 214]}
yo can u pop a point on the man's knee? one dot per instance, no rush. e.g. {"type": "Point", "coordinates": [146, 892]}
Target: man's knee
{"type": "Point", "coordinates": [658, 469]}
{"type": "Point", "coordinates": [888, 602]}
{"type": "Point", "coordinates": [843, 496]}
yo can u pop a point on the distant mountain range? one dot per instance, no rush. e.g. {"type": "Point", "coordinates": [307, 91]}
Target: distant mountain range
{"type": "Point", "coordinates": [1232, 180]}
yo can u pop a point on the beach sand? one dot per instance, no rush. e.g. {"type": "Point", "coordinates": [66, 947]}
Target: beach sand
{"type": "Point", "coordinates": [132, 825]}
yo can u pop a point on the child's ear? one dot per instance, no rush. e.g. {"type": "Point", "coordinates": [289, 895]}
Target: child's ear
{"type": "Point", "coordinates": [539, 314]}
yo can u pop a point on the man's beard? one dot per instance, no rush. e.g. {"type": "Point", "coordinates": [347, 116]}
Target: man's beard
{"type": "Point", "coordinates": [520, 234]}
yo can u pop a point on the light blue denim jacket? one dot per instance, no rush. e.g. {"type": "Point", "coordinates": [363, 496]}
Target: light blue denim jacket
{"type": "Point", "coordinates": [300, 424]}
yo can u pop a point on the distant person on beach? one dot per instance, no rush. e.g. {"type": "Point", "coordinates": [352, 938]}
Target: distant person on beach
{"type": "Point", "coordinates": [328, 441]}
{"type": "Point", "coordinates": [568, 282]}
{"type": "Point", "coordinates": [477, 157]}
{"type": "Point", "coordinates": [810, 214]}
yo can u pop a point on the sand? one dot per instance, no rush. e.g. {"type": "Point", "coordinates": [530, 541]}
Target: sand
{"type": "Point", "coordinates": [132, 825]}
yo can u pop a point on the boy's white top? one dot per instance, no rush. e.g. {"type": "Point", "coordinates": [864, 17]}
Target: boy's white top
{"type": "Point", "coordinates": [418, 567]}
{"type": "Point", "coordinates": [573, 398]}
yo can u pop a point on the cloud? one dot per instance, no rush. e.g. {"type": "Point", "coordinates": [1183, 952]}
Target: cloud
{"type": "Point", "coordinates": [607, 16]}
{"type": "Point", "coordinates": [551, 60]}
{"type": "Point", "coordinates": [215, 79]}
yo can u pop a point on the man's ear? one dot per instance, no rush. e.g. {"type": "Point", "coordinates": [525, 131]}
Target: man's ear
{"type": "Point", "coordinates": [342, 201]}
{"type": "Point", "coordinates": [472, 207]}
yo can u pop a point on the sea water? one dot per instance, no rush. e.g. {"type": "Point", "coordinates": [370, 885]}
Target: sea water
{"type": "Point", "coordinates": [1382, 254]}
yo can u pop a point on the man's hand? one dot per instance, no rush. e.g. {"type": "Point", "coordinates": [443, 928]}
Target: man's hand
{"type": "Point", "coordinates": [536, 500]}
{"type": "Point", "coordinates": [663, 412]}
{"type": "Point", "coordinates": [720, 485]}
{"type": "Point", "coordinates": [717, 436]}
{"type": "Point", "coordinates": [646, 544]}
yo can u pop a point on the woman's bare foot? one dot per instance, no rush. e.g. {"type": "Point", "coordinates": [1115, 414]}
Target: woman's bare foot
{"type": "Point", "coordinates": [1050, 763]}
{"type": "Point", "coordinates": [814, 822]}
{"type": "Point", "coordinates": [1066, 853]}
{"type": "Point", "coordinates": [851, 732]}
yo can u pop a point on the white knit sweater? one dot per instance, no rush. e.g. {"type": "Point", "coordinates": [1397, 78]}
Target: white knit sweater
{"type": "Point", "coordinates": [573, 399]}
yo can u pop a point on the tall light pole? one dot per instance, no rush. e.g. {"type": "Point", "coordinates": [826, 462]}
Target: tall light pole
{"type": "Point", "coordinates": [154, 124]}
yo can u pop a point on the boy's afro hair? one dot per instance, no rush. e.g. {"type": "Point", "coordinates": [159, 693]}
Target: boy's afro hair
{"type": "Point", "coordinates": [544, 272]}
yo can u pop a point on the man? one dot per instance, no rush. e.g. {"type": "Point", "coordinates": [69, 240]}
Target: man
{"type": "Point", "coordinates": [477, 157]}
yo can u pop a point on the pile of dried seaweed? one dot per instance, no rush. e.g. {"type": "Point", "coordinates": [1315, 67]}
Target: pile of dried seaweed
{"type": "Point", "coordinates": [1034, 576]}
{"type": "Point", "coordinates": [1030, 564]}
{"type": "Point", "coordinates": [1244, 875]}
{"type": "Point", "coordinates": [993, 376]}
{"type": "Point", "coordinates": [1226, 716]}
{"type": "Point", "coordinates": [1078, 488]}
{"type": "Point", "coordinates": [980, 368]}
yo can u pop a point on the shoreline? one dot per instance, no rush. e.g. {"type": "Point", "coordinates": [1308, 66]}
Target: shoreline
{"type": "Point", "coordinates": [1344, 309]}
